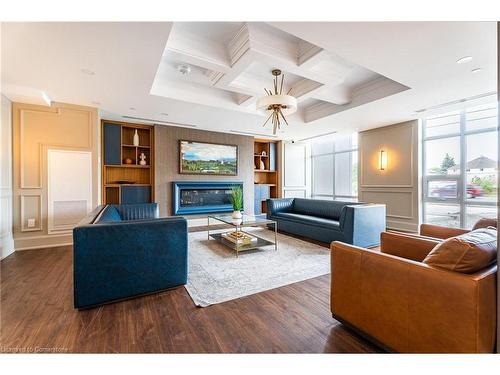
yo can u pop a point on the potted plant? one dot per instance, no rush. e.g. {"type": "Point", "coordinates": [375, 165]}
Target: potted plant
{"type": "Point", "coordinates": [237, 201]}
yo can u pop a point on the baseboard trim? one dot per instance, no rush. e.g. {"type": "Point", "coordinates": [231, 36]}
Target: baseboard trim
{"type": "Point", "coordinates": [44, 246]}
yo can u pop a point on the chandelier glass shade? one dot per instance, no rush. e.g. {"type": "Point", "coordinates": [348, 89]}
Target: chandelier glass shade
{"type": "Point", "coordinates": [277, 105]}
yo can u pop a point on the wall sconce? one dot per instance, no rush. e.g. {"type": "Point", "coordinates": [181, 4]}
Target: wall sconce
{"type": "Point", "coordinates": [382, 161]}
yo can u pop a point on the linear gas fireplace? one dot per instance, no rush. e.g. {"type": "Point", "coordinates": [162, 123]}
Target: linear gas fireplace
{"type": "Point", "coordinates": [193, 197]}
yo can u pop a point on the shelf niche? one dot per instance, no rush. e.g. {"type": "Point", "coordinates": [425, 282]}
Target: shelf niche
{"type": "Point", "coordinates": [267, 180]}
{"type": "Point", "coordinates": [125, 183]}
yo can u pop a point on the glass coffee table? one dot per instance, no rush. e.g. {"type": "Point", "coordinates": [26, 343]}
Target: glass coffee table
{"type": "Point", "coordinates": [238, 224]}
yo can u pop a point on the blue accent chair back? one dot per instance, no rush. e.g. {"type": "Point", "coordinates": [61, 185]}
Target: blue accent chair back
{"type": "Point", "coordinates": [123, 251]}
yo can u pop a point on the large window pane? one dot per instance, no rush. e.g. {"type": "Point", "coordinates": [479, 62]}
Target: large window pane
{"type": "Point", "coordinates": [443, 125]}
{"type": "Point", "coordinates": [346, 142]}
{"type": "Point", "coordinates": [442, 189]}
{"type": "Point", "coordinates": [323, 174]}
{"type": "Point", "coordinates": [322, 145]}
{"type": "Point", "coordinates": [345, 165]}
{"type": "Point", "coordinates": [442, 156]}
{"type": "Point", "coordinates": [483, 117]}
{"type": "Point", "coordinates": [474, 213]}
{"type": "Point", "coordinates": [447, 215]}
{"type": "Point", "coordinates": [482, 159]}
{"type": "Point", "coordinates": [323, 197]}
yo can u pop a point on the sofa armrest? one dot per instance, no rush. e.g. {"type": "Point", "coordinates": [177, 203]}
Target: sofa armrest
{"type": "Point", "coordinates": [278, 205]}
{"type": "Point", "coordinates": [410, 306]}
{"type": "Point", "coordinates": [408, 247]}
{"type": "Point", "coordinates": [437, 231]}
{"type": "Point", "coordinates": [362, 224]}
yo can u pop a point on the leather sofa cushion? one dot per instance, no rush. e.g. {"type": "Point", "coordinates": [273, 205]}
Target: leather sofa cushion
{"type": "Point", "coordinates": [485, 223]}
{"type": "Point", "coordinates": [322, 208]}
{"type": "Point", "coordinates": [311, 220]}
{"type": "Point", "coordinates": [467, 253]}
{"type": "Point", "coordinates": [109, 214]}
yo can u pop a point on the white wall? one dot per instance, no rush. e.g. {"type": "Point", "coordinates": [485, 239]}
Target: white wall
{"type": "Point", "coordinates": [296, 167]}
{"type": "Point", "coordinates": [6, 239]}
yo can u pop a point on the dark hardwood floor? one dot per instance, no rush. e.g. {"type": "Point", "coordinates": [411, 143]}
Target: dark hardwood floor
{"type": "Point", "coordinates": [37, 315]}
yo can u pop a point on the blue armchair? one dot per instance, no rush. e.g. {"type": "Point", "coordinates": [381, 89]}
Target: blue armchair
{"type": "Point", "coordinates": [357, 224]}
{"type": "Point", "coordinates": [122, 251]}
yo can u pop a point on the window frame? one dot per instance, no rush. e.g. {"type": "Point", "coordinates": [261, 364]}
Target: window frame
{"type": "Point", "coordinates": [461, 178]}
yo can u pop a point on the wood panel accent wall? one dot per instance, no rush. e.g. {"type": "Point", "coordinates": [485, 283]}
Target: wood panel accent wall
{"type": "Point", "coordinates": [167, 162]}
{"type": "Point", "coordinates": [36, 129]}
{"type": "Point", "coordinates": [398, 185]}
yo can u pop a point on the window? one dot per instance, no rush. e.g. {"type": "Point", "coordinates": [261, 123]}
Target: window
{"type": "Point", "coordinates": [460, 167]}
{"type": "Point", "coordinates": [335, 167]}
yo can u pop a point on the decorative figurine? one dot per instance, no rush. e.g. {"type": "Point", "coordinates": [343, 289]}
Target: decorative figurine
{"type": "Point", "coordinates": [143, 159]}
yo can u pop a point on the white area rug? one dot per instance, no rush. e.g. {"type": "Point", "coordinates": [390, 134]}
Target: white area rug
{"type": "Point", "coordinates": [216, 275]}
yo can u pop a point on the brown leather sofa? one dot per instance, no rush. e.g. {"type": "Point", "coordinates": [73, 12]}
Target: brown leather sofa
{"type": "Point", "coordinates": [404, 305]}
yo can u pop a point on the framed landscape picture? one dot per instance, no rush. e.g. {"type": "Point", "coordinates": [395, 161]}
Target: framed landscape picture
{"type": "Point", "coordinates": [208, 158]}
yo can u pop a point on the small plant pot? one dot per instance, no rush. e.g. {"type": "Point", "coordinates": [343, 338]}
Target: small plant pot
{"type": "Point", "coordinates": [237, 215]}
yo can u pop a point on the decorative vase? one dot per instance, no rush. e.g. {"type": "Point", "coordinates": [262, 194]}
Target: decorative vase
{"type": "Point", "coordinates": [262, 165]}
{"type": "Point", "coordinates": [136, 138]}
{"type": "Point", "coordinates": [237, 215]}
{"type": "Point", "coordinates": [143, 159]}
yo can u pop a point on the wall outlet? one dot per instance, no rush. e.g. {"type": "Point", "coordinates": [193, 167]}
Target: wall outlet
{"type": "Point", "coordinates": [31, 223]}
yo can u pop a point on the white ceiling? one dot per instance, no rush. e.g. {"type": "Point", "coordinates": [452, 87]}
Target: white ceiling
{"type": "Point", "coordinates": [347, 75]}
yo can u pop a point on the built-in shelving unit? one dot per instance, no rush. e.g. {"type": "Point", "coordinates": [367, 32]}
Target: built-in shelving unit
{"type": "Point", "coordinates": [124, 179]}
{"type": "Point", "coordinates": [266, 179]}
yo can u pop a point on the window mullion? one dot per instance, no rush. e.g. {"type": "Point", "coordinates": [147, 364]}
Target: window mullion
{"type": "Point", "coordinates": [463, 168]}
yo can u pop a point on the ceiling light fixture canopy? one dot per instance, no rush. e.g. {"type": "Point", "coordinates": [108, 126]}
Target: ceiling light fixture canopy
{"type": "Point", "coordinates": [276, 104]}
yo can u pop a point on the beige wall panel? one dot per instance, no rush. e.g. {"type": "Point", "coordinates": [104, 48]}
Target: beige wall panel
{"type": "Point", "coordinates": [39, 127]}
{"type": "Point", "coordinates": [397, 141]}
{"type": "Point", "coordinates": [31, 208]}
{"type": "Point", "coordinates": [398, 186]}
{"type": "Point", "coordinates": [399, 204]}
{"type": "Point", "coordinates": [167, 162]}
{"type": "Point", "coordinates": [35, 130]}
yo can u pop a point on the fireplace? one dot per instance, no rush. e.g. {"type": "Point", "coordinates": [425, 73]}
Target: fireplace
{"type": "Point", "coordinates": [193, 197]}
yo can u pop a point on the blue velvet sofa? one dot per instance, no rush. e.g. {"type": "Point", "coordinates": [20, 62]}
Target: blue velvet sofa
{"type": "Point", "coordinates": [122, 251]}
{"type": "Point", "coordinates": [358, 224]}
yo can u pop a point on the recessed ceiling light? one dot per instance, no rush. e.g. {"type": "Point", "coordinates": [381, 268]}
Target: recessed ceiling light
{"type": "Point", "coordinates": [464, 59]}
{"type": "Point", "coordinates": [477, 70]}
{"type": "Point", "coordinates": [88, 72]}
{"type": "Point", "coordinates": [132, 108]}
{"type": "Point", "coordinates": [164, 114]}
{"type": "Point", "coordinates": [96, 103]}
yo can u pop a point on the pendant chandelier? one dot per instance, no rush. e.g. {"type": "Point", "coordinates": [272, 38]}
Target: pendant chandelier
{"type": "Point", "coordinates": [275, 104]}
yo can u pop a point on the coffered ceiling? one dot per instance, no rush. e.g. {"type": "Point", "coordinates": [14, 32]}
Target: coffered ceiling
{"type": "Point", "coordinates": [230, 65]}
{"type": "Point", "coordinates": [347, 76]}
